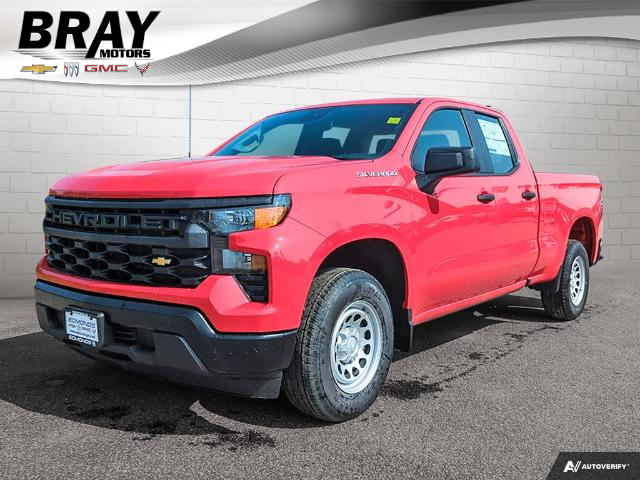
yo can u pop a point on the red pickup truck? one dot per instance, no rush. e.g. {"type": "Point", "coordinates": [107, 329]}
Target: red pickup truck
{"type": "Point", "coordinates": [301, 252]}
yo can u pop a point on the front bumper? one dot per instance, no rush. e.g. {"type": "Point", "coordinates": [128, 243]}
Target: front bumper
{"type": "Point", "coordinates": [175, 343]}
{"type": "Point", "coordinates": [292, 252]}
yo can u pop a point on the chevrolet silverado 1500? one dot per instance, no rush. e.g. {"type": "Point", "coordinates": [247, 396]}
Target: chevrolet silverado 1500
{"type": "Point", "coordinates": [297, 255]}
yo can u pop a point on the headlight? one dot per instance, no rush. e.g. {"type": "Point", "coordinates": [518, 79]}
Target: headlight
{"type": "Point", "coordinates": [229, 220]}
{"type": "Point", "coordinates": [222, 222]}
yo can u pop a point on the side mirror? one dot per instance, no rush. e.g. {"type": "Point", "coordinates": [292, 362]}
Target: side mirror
{"type": "Point", "coordinates": [443, 162]}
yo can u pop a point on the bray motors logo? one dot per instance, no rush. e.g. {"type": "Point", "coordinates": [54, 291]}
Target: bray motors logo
{"type": "Point", "coordinates": [36, 36]}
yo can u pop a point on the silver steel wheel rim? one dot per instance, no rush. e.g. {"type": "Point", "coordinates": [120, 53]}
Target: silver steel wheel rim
{"type": "Point", "coordinates": [356, 347]}
{"type": "Point", "coordinates": [577, 280]}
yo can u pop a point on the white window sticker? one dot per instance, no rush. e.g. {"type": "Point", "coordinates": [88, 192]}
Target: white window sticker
{"type": "Point", "coordinates": [493, 134]}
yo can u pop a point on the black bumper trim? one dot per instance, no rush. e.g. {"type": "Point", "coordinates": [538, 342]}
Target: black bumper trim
{"type": "Point", "coordinates": [173, 342]}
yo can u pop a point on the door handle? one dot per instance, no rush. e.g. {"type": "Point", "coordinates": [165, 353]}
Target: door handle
{"type": "Point", "coordinates": [528, 195]}
{"type": "Point", "coordinates": [486, 197]}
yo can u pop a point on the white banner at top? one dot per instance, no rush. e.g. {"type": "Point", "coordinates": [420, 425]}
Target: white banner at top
{"type": "Point", "coordinates": [195, 42]}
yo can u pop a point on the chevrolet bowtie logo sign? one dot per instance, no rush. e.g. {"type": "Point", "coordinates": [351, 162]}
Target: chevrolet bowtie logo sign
{"type": "Point", "coordinates": [161, 261]}
{"type": "Point", "coordinates": [41, 69]}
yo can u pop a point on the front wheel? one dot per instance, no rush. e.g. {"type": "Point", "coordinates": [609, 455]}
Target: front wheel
{"type": "Point", "coordinates": [344, 346]}
{"type": "Point", "coordinates": [568, 302]}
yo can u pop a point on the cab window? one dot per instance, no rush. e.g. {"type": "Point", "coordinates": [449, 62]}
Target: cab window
{"type": "Point", "coordinates": [500, 156]}
{"type": "Point", "coordinates": [345, 132]}
{"type": "Point", "coordinates": [443, 128]}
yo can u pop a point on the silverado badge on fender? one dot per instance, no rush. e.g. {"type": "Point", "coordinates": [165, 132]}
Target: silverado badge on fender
{"type": "Point", "coordinates": [392, 173]}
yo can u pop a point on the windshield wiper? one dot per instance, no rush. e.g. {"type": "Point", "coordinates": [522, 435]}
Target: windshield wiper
{"type": "Point", "coordinates": [348, 156]}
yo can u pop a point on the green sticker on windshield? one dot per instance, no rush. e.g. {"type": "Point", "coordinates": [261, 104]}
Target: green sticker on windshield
{"type": "Point", "coordinates": [394, 120]}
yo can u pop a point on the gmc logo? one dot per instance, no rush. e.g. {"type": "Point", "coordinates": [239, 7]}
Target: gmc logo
{"type": "Point", "coordinates": [106, 68]}
{"type": "Point", "coordinates": [112, 220]}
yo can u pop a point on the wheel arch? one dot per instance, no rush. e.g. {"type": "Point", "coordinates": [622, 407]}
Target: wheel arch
{"type": "Point", "coordinates": [583, 229]}
{"type": "Point", "coordinates": [382, 259]}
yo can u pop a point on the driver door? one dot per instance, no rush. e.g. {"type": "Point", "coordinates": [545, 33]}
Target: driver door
{"type": "Point", "coordinates": [456, 232]}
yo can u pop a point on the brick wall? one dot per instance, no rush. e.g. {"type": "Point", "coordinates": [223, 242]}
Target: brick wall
{"type": "Point", "coordinates": [574, 102]}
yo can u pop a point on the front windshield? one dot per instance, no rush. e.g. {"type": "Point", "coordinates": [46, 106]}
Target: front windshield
{"type": "Point", "coordinates": [345, 132]}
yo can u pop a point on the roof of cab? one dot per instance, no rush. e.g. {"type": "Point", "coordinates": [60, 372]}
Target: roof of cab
{"type": "Point", "coordinates": [373, 101]}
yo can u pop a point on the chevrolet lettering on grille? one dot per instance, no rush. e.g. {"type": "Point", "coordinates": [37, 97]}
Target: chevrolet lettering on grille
{"type": "Point", "coordinates": [112, 220]}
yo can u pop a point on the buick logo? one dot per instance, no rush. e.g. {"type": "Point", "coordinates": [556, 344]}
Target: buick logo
{"type": "Point", "coordinates": [71, 69]}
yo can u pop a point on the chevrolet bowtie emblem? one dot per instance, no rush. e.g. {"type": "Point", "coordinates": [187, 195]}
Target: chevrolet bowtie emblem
{"type": "Point", "coordinates": [161, 261]}
{"type": "Point", "coordinates": [38, 69]}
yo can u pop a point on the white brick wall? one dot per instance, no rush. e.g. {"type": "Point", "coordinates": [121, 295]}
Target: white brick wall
{"type": "Point", "coordinates": [574, 102]}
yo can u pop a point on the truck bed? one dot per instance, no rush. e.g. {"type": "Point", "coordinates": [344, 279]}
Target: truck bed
{"type": "Point", "coordinates": [564, 198]}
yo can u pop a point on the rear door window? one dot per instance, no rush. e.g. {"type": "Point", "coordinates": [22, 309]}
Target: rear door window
{"type": "Point", "coordinates": [495, 139]}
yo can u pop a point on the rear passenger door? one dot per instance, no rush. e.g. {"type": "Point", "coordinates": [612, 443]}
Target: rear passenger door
{"type": "Point", "coordinates": [517, 206]}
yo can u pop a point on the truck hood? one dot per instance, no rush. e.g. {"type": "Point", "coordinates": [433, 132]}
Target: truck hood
{"type": "Point", "coordinates": [185, 177]}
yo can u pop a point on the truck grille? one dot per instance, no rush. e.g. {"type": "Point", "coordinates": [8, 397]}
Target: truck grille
{"type": "Point", "coordinates": [128, 262]}
{"type": "Point", "coordinates": [138, 242]}
{"type": "Point", "coordinates": [145, 242]}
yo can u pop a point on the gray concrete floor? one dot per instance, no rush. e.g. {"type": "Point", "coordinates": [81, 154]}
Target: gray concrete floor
{"type": "Point", "coordinates": [492, 392]}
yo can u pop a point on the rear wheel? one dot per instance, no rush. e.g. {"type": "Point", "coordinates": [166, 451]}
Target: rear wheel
{"type": "Point", "coordinates": [344, 346]}
{"type": "Point", "coordinates": [568, 302]}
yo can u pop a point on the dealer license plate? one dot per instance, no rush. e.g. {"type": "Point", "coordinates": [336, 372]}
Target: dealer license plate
{"type": "Point", "coordinates": [83, 327]}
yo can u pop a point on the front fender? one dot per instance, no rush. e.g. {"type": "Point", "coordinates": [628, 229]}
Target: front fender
{"type": "Point", "coordinates": [366, 232]}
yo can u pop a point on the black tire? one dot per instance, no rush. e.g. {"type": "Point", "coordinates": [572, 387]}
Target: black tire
{"type": "Point", "coordinates": [559, 305]}
{"type": "Point", "coordinates": [309, 383]}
